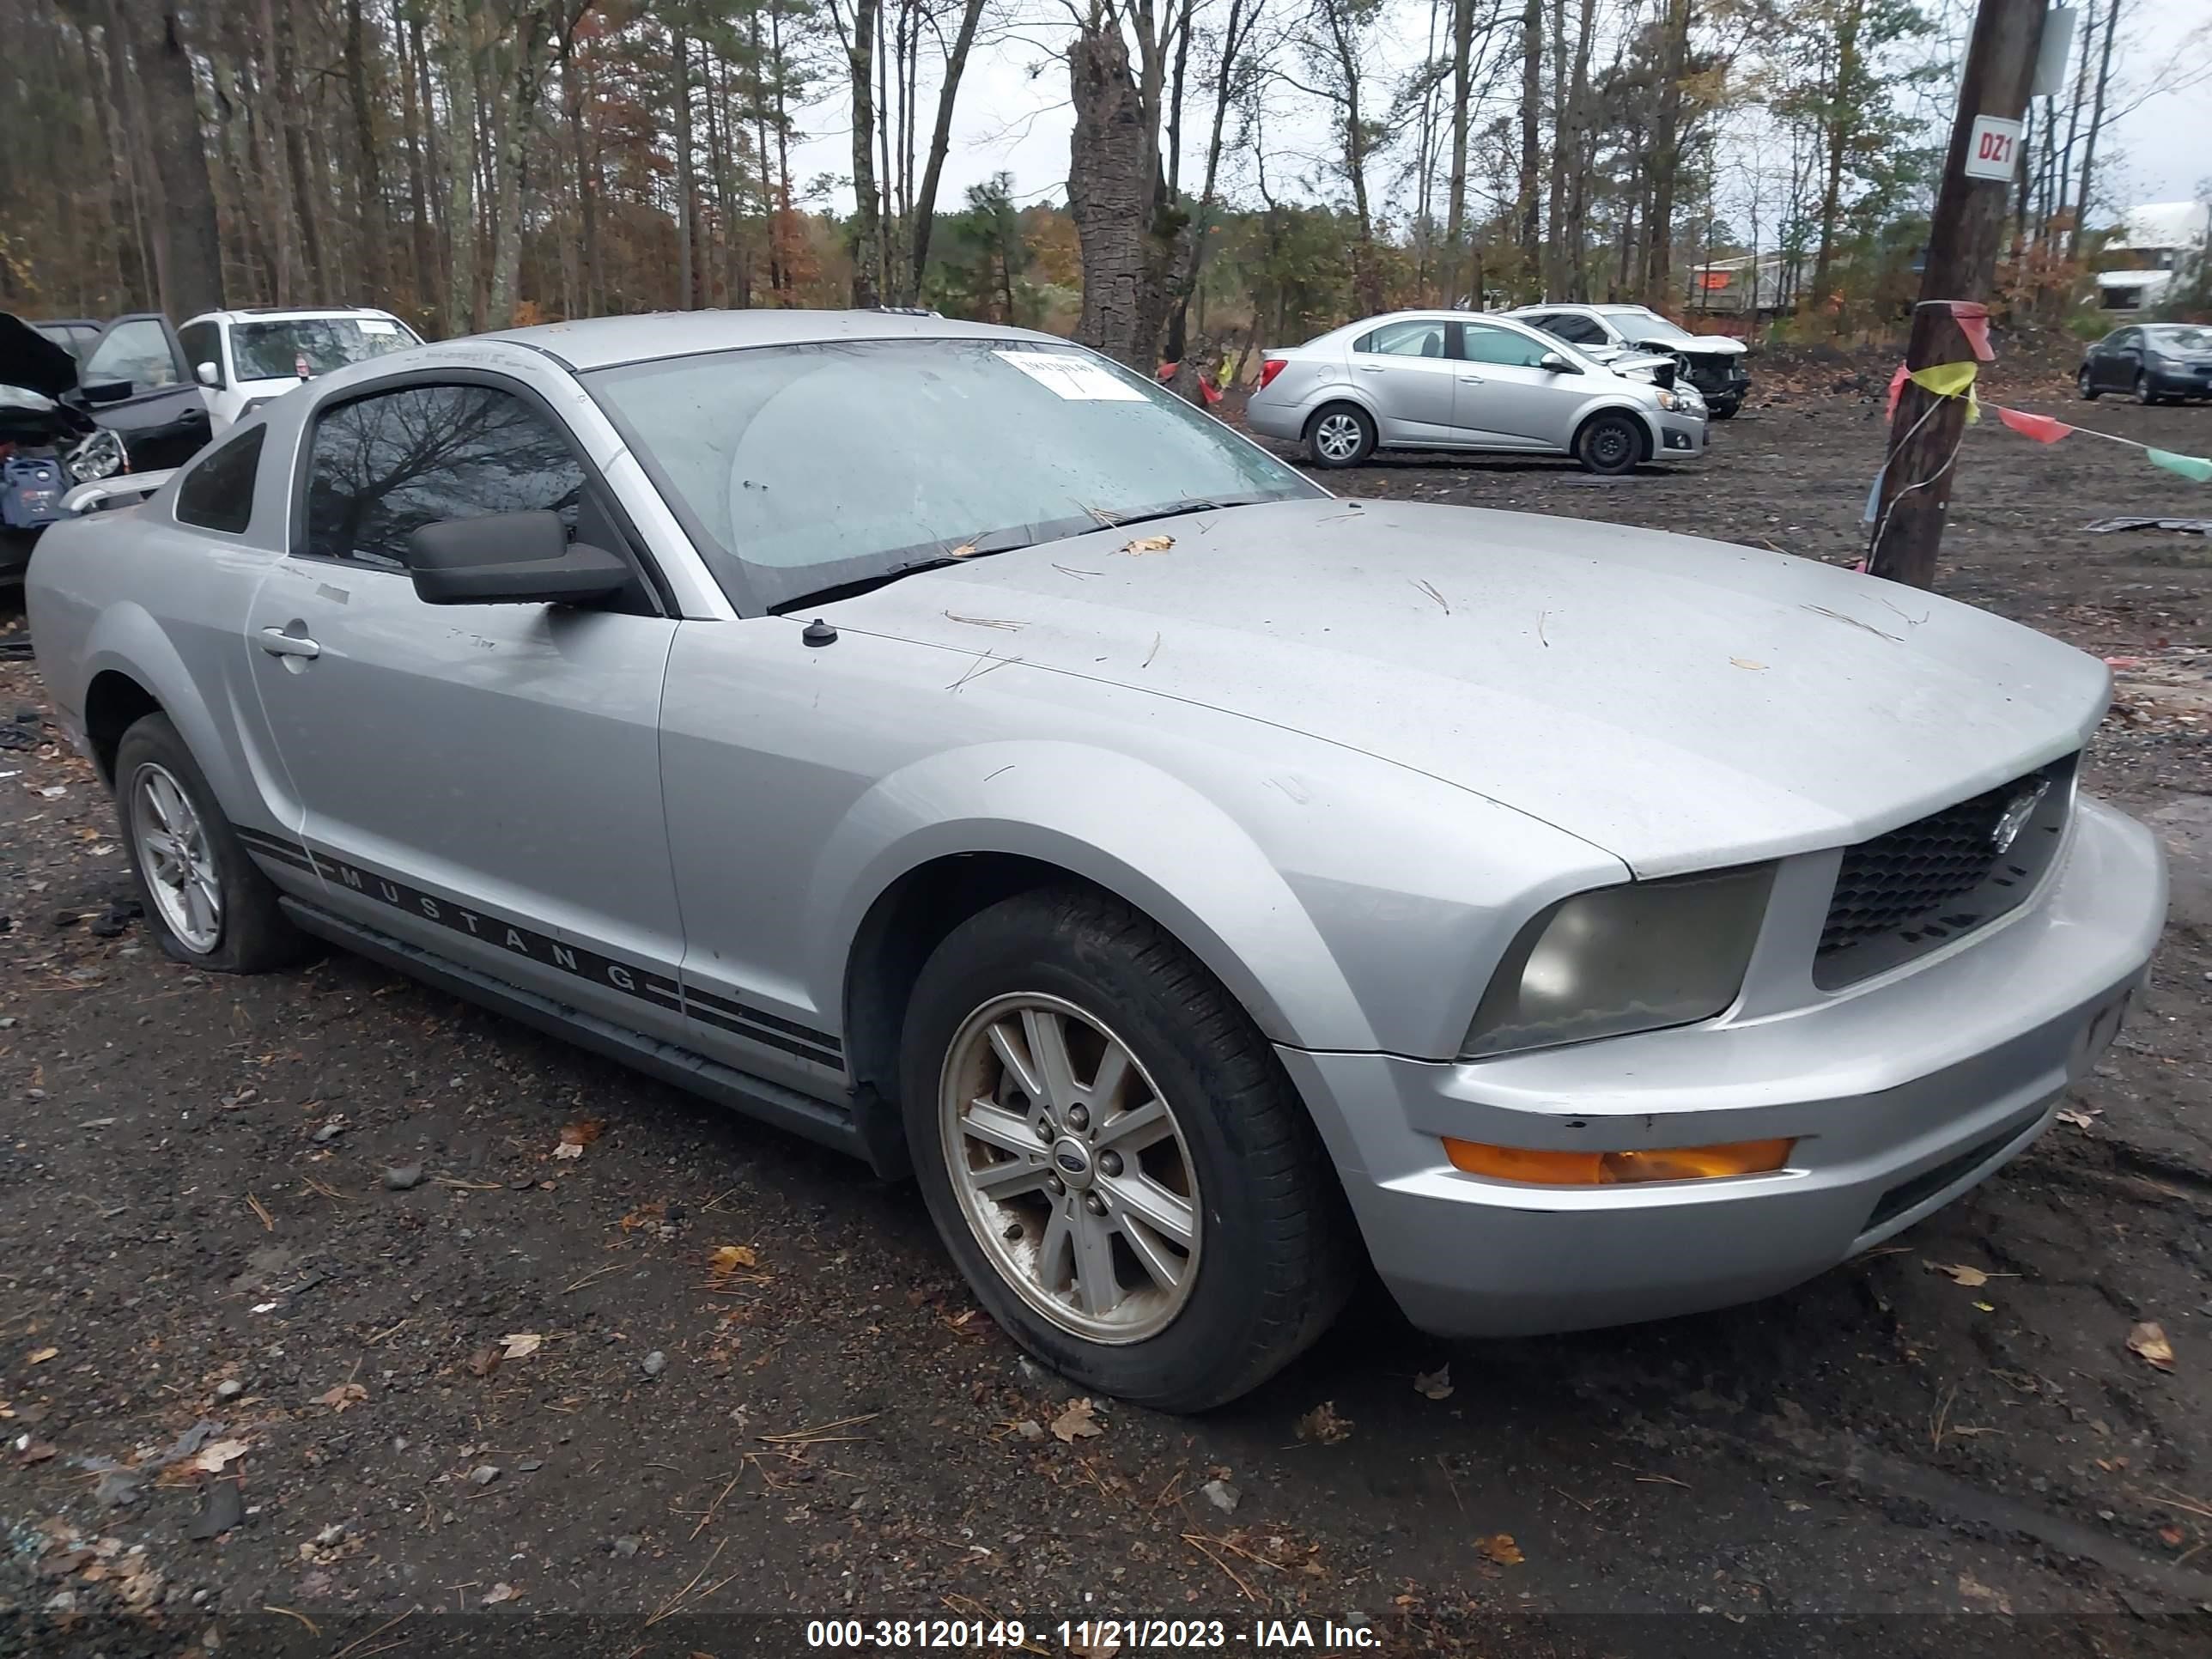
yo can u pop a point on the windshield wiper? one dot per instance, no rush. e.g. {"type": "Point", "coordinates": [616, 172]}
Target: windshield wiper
{"type": "Point", "coordinates": [1112, 520]}
{"type": "Point", "coordinates": [982, 548]}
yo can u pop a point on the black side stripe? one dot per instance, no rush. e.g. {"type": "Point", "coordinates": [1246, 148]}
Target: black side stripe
{"type": "Point", "coordinates": [710, 1002]}
{"type": "Point", "coordinates": [642, 983]}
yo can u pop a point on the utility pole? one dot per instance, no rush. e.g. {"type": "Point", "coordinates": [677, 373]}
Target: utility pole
{"type": "Point", "coordinates": [1962, 256]}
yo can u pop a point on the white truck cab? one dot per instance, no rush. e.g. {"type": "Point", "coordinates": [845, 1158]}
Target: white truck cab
{"type": "Point", "coordinates": [244, 358]}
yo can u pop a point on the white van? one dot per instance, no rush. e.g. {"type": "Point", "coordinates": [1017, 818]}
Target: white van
{"type": "Point", "coordinates": [244, 358]}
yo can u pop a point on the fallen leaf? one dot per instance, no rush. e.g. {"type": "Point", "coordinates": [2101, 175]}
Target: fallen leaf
{"type": "Point", "coordinates": [568, 1149]}
{"type": "Point", "coordinates": [965, 550]}
{"type": "Point", "coordinates": [212, 1458]}
{"type": "Point", "coordinates": [36, 1451]}
{"type": "Point", "coordinates": [1501, 1548]}
{"type": "Point", "coordinates": [2171, 1537]}
{"type": "Point", "coordinates": [584, 1130]}
{"type": "Point", "coordinates": [521, 1345]}
{"type": "Point", "coordinates": [2150, 1341]}
{"type": "Point", "coordinates": [345, 1395]}
{"type": "Point", "coordinates": [499, 1593]}
{"type": "Point", "coordinates": [1987, 1307]}
{"type": "Point", "coordinates": [2079, 1119]}
{"type": "Point", "coordinates": [729, 1258]}
{"type": "Point", "coordinates": [1076, 1423]}
{"type": "Point", "coordinates": [485, 1361]}
{"type": "Point", "coordinates": [1974, 1590]}
{"type": "Point", "coordinates": [1323, 1424]}
{"type": "Point", "coordinates": [1746, 662]}
{"type": "Point", "coordinates": [1436, 1385]}
{"type": "Point", "coordinates": [1150, 544]}
{"type": "Point", "coordinates": [44, 1355]}
{"type": "Point", "coordinates": [1972, 1277]}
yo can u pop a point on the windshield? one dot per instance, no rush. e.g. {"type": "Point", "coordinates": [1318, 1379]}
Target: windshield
{"type": "Point", "coordinates": [2179, 336]}
{"type": "Point", "coordinates": [815, 467]}
{"type": "Point", "coordinates": [1640, 324]}
{"type": "Point", "coordinates": [271, 351]}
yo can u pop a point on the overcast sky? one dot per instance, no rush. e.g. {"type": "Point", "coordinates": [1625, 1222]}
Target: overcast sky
{"type": "Point", "coordinates": [1013, 113]}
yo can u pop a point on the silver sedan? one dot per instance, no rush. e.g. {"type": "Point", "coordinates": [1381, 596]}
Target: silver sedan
{"type": "Point", "coordinates": [1444, 380]}
{"type": "Point", "coordinates": [937, 742]}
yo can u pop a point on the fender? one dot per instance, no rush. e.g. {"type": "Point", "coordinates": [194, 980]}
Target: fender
{"type": "Point", "coordinates": [127, 640]}
{"type": "Point", "coordinates": [1146, 837]}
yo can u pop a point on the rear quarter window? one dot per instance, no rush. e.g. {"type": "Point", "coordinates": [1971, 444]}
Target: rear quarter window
{"type": "Point", "coordinates": [217, 494]}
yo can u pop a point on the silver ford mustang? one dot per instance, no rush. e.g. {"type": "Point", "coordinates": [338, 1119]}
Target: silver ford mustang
{"type": "Point", "coordinates": [940, 743]}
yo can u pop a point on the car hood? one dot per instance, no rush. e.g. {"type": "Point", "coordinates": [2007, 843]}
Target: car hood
{"type": "Point", "coordinates": [1679, 703]}
{"type": "Point", "coordinates": [29, 360]}
{"type": "Point", "coordinates": [1701, 345]}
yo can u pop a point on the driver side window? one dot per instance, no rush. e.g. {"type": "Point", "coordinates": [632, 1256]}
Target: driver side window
{"type": "Point", "coordinates": [383, 466]}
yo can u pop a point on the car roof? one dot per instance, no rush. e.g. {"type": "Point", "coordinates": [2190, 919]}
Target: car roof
{"type": "Point", "coordinates": [604, 342]}
{"type": "Point", "coordinates": [284, 314]}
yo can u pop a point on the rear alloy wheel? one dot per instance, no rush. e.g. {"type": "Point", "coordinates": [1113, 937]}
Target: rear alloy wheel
{"type": "Point", "coordinates": [1113, 1155]}
{"type": "Point", "coordinates": [2143, 392]}
{"type": "Point", "coordinates": [2084, 385]}
{"type": "Point", "coordinates": [206, 901]}
{"type": "Point", "coordinates": [1340, 435]}
{"type": "Point", "coordinates": [1610, 444]}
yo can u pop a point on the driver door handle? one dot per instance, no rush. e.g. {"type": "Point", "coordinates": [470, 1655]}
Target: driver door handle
{"type": "Point", "coordinates": [278, 643]}
{"type": "Point", "coordinates": [1470, 380]}
{"type": "Point", "coordinates": [1374, 368]}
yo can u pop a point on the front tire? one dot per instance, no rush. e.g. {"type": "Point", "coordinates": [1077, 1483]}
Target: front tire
{"type": "Point", "coordinates": [1114, 1156]}
{"type": "Point", "coordinates": [2144, 395]}
{"type": "Point", "coordinates": [2085, 384]}
{"type": "Point", "coordinates": [1610, 444]}
{"type": "Point", "coordinates": [1341, 436]}
{"type": "Point", "coordinates": [206, 901]}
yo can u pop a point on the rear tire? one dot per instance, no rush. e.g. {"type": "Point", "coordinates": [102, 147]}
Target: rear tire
{"type": "Point", "coordinates": [207, 903]}
{"type": "Point", "coordinates": [2144, 395]}
{"type": "Point", "coordinates": [1340, 435]}
{"type": "Point", "coordinates": [1019, 1019]}
{"type": "Point", "coordinates": [1610, 444]}
{"type": "Point", "coordinates": [1724, 411]}
{"type": "Point", "coordinates": [2085, 386]}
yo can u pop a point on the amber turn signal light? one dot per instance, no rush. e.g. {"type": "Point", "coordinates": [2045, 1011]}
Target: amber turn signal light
{"type": "Point", "coordinates": [1735, 1157]}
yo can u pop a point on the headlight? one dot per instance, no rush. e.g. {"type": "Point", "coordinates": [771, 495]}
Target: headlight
{"type": "Point", "coordinates": [1667, 399]}
{"type": "Point", "coordinates": [1629, 959]}
{"type": "Point", "coordinates": [99, 456]}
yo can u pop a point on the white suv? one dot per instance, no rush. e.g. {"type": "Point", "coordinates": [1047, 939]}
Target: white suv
{"type": "Point", "coordinates": [244, 358]}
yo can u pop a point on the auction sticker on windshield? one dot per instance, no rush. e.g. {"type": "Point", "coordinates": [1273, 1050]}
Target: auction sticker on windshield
{"type": "Point", "coordinates": [1077, 379]}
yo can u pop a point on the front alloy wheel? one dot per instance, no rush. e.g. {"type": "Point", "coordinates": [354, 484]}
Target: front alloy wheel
{"type": "Point", "coordinates": [1114, 1155]}
{"type": "Point", "coordinates": [1071, 1169]}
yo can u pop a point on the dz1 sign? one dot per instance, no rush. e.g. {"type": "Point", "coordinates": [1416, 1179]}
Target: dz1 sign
{"type": "Point", "coordinates": [1993, 148]}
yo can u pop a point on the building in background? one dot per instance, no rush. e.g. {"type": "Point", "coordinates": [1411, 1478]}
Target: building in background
{"type": "Point", "coordinates": [2161, 247]}
{"type": "Point", "coordinates": [1756, 285]}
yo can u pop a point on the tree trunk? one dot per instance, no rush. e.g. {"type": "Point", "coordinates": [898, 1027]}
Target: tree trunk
{"type": "Point", "coordinates": [2096, 121]}
{"type": "Point", "coordinates": [190, 259]}
{"type": "Point", "coordinates": [1116, 196]}
{"type": "Point", "coordinates": [1667, 153]}
{"type": "Point", "coordinates": [1532, 95]}
{"type": "Point", "coordinates": [679, 49]}
{"type": "Point", "coordinates": [455, 48]}
{"type": "Point", "coordinates": [941, 138]}
{"type": "Point", "coordinates": [291, 110]}
{"type": "Point", "coordinates": [867, 225]}
{"type": "Point", "coordinates": [376, 225]}
{"type": "Point", "coordinates": [1455, 210]}
{"type": "Point", "coordinates": [1838, 136]}
{"type": "Point", "coordinates": [409, 40]}
{"type": "Point", "coordinates": [587, 186]}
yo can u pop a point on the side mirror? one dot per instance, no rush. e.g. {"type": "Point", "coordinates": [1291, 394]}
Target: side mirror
{"type": "Point", "coordinates": [209, 374]}
{"type": "Point", "coordinates": [106, 392]}
{"type": "Point", "coordinates": [1552, 363]}
{"type": "Point", "coordinates": [510, 558]}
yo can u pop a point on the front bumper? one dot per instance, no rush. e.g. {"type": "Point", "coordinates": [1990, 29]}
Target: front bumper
{"type": "Point", "coordinates": [1678, 434]}
{"type": "Point", "coordinates": [1901, 1094]}
{"type": "Point", "coordinates": [2181, 381]}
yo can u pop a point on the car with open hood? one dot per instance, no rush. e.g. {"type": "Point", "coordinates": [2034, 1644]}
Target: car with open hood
{"type": "Point", "coordinates": [1713, 363]}
{"type": "Point", "coordinates": [938, 741]}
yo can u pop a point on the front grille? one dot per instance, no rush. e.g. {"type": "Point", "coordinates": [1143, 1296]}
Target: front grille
{"type": "Point", "coordinates": [1924, 884]}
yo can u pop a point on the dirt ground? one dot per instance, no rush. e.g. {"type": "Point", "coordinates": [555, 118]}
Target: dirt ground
{"type": "Point", "coordinates": [533, 1402]}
